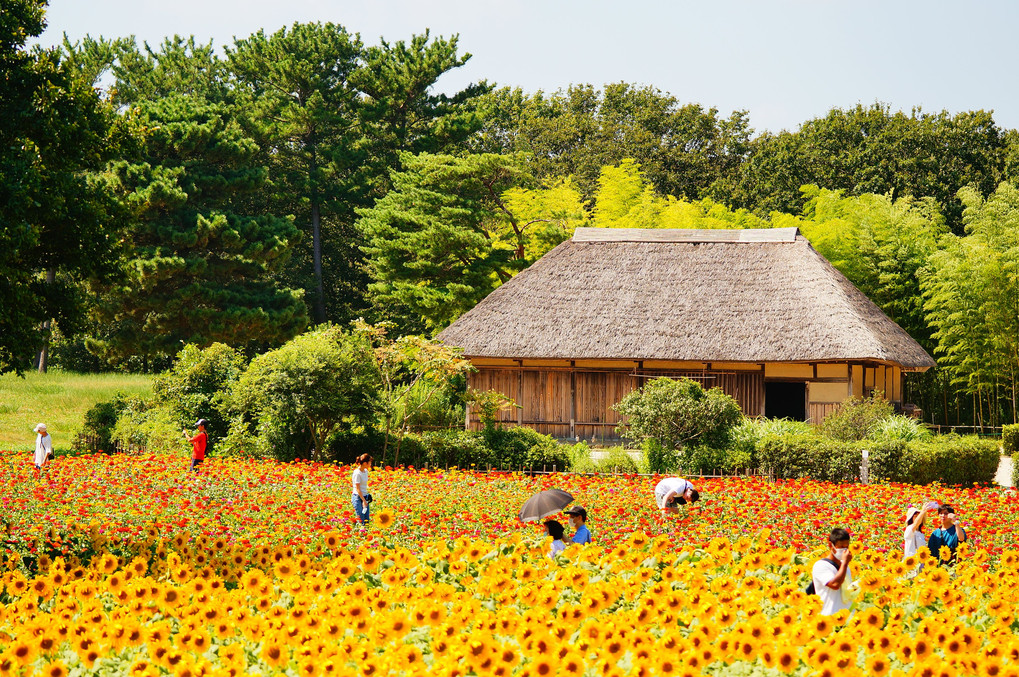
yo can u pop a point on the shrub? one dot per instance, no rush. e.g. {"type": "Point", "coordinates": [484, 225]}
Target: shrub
{"type": "Point", "coordinates": [744, 438]}
{"type": "Point", "coordinates": [798, 455]}
{"type": "Point", "coordinates": [838, 461]}
{"type": "Point", "coordinates": [658, 458]}
{"type": "Point", "coordinates": [521, 447]}
{"type": "Point", "coordinates": [679, 412]}
{"type": "Point", "coordinates": [295, 398]}
{"type": "Point", "coordinates": [144, 425]}
{"type": "Point", "coordinates": [615, 459]}
{"type": "Point", "coordinates": [788, 455]}
{"type": "Point", "coordinates": [455, 448]}
{"type": "Point", "coordinates": [950, 459]}
{"type": "Point", "coordinates": [899, 428]}
{"type": "Point", "coordinates": [580, 457]}
{"type": "Point", "coordinates": [239, 442]}
{"type": "Point", "coordinates": [193, 386]}
{"type": "Point", "coordinates": [886, 459]}
{"type": "Point", "coordinates": [97, 429]}
{"type": "Point", "coordinates": [547, 454]}
{"type": "Point", "coordinates": [618, 459]}
{"type": "Point", "coordinates": [1010, 441]}
{"type": "Point", "coordinates": [856, 419]}
{"type": "Point", "coordinates": [702, 460]}
{"type": "Point", "coordinates": [422, 409]}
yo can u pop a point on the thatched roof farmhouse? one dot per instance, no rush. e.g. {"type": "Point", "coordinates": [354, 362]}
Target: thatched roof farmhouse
{"type": "Point", "coordinates": [757, 312]}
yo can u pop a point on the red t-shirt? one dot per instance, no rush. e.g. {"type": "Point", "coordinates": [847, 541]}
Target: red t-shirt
{"type": "Point", "coordinates": [199, 443]}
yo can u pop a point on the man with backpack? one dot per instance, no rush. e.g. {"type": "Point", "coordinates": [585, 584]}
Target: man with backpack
{"type": "Point", "coordinates": [831, 575]}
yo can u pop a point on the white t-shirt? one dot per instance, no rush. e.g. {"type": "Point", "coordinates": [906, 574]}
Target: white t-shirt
{"type": "Point", "coordinates": [833, 601]}
{"type": "Point", "coordinates": [669, 485]}
{"type": "Point", "coordinates": [557, 547]}
{"type": "Point", "coordinates": [43, 448]}
{"type": "Point", "coordinates": [360, 478]}
{"type": "Point", "coordinates": [915, 541]}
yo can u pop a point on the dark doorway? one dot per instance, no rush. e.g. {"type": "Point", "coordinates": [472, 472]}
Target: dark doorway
{"type": "Point", "coordinates": [783, 399]}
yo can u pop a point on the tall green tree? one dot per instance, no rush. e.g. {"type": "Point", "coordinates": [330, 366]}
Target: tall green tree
{"type": "Point", "coordinates": [441, 239]}
{"type": "Point", "coordinates": [682, 148]}
{"type": "Point", "coordinates": [333, 117]}
{"type": "Point", "coordinates": [200, 265]}
{"type": "Point", "coordinates": [871, 149]}
{"type": "Point", "coordinates": [972, 298]}
{"type": "Point", "coordinates": [883, 245]}
{"type": "Point", "coordinates": [58, 220]}
{"type": "Point", "coordinates": [305, 112]}
{"type": "Point", "coordinates": [179, 66]}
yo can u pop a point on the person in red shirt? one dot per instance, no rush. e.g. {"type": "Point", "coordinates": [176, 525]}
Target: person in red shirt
{"type": "Point", "coordinates": [198, 442]}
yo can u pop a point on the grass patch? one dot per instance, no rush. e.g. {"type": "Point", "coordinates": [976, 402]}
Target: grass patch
{"type": "Point", "coordinates": [59, 399]}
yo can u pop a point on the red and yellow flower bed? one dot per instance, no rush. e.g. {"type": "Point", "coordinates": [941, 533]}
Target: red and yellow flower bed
{"type": "Point", "coordinates": [122, 565]}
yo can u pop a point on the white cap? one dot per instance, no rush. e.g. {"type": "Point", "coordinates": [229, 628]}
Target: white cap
{"type": "Point", "coordinates": [39, 426]}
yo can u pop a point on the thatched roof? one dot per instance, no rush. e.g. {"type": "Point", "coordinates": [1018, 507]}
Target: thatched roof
{"type": "Point", "coordinates": [699, 295]}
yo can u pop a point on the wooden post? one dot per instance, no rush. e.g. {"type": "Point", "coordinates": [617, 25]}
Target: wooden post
{"type": "Point", "coordinates": [573, 401]}
{"type": "Point", "coordinates": [520, 393]}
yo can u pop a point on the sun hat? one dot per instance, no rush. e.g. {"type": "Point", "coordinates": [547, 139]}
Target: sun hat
{"type": "Point", "coordinates": [201, 421]}
{"type": "Point", "coordinates": [910, 512]}
{"type": "Point", "coordinates": [39, 426]}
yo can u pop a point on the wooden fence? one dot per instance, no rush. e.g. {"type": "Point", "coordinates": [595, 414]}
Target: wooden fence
{"type": "Point", "coordinates": [94, 444]}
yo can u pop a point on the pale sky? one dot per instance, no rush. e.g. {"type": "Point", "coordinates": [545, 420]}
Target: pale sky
{"type": "Point", "coordinates": [785, 61]}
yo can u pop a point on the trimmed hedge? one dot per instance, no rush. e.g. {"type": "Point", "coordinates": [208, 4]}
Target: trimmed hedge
{"type": "Point", "coordinates": [510, 449]}
{"type": "Point", "coordinates": [1010, 440]}
{"type": "Point", "coordinates": [950, 459]}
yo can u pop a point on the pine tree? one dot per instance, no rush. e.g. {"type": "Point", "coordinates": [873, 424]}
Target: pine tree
{"type": "Point", "coordinates": [201, 264]}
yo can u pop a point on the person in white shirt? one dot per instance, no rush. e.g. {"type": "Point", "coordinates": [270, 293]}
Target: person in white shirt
{"type": "Point", "coordinates": [673, 492]}
{"type": "Point", "coordinates": [360, 498]}
{"type": "Point", "coordinates": [43, 446]}
{"type": "Point", "coordinates": [832, 576]}
{"type": "Point", "coordinates": [557, 532]}
{"type": "Point", "coordinates": [914, 539]}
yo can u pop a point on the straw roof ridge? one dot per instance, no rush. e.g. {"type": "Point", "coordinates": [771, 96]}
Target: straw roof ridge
{"type": "Point", "coordinates": [717, 298]}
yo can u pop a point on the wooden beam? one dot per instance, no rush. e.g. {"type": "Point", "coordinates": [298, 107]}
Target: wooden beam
{"type": "Point", "coordinates": [520, 395]}
{"type": "Point", "coordinates": [573, 401]}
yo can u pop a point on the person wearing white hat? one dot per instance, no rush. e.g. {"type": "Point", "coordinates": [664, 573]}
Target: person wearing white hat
{"type": "Point", "coordinates": [43, 445]}
{"type": "Point", "coordinates": [913, 536]}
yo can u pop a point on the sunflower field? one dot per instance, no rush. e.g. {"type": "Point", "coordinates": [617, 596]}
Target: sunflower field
{"type": "Point", "coordinates": [117, 565]}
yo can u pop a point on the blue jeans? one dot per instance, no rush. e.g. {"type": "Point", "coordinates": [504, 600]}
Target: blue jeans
{"type": "Point", "coordinates": [358, 506]}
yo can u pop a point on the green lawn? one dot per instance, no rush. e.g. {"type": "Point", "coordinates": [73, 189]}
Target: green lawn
{"type": "Point", "coordinates": [59, 399]}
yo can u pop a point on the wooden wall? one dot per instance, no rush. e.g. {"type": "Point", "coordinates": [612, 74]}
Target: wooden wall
{"type": "Point", "coordinates": [570, 402]}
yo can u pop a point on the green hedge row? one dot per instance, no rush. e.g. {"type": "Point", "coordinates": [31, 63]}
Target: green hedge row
{"type": "Point", "coordinates": [949, 459]}
{"type": "Point", "coordinates": [510, 449]}
{"type": "Point", "coordinates": [1010, 440]}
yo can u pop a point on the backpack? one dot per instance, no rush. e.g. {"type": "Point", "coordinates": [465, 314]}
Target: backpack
{"type": "Point", "coordinates": [810, 588]}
